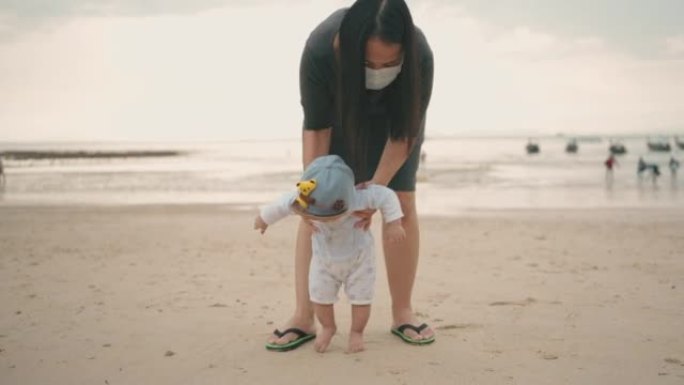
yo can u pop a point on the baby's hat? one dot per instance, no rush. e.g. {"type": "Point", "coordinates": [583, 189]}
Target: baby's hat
{"type": "Point", "coordinates": [327, 187]}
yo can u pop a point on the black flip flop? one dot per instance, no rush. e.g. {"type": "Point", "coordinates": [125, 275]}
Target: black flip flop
{"type": "Point", "coordinates": [302, 338]}
{"type": "Point", "coordinates": [399, 332]}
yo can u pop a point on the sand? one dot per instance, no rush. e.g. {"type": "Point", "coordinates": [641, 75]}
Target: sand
{"type": "Point", "coordinates": [188, 295]}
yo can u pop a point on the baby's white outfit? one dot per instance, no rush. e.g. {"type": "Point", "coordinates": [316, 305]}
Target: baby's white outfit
{"type": "Point", "coordinates": [342, 254]}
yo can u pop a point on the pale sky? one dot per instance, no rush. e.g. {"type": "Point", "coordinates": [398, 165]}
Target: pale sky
{"type": "Point", "coordinates": [169, 70]}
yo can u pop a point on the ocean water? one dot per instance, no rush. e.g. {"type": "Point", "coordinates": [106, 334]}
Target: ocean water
{"type": "Point", "coordinates": [458, 174]}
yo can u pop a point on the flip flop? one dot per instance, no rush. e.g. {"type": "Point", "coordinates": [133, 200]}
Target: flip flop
{"type": "Point", "coordinates": [302, 338]}
{"type": "Point", "coordinates": [399, 332]}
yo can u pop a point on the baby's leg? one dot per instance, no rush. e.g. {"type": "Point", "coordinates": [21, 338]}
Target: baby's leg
{"type": "Point", "coordinates": [326, 317]}
{"type": "Point", "coordinates": [359, 287]}
{"type": "Point", "coordinates": [360, 316]}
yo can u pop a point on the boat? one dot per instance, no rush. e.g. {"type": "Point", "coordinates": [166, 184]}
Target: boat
{"type": "Point", "coordinates": [532, 148]}
{"type": "Point", "coordinates": [659, 145]}
{"type": "Point", "coordinates": [617, 148]}
{"type": "Point", "coordinates": [571, 147]}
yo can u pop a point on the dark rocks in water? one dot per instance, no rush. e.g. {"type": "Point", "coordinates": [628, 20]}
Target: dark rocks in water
{"type": "Point", "coordinates": [36, 155]}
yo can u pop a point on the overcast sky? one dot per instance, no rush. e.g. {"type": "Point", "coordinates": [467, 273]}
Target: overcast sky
{"type": "Point", "coordinates": [210, 69]}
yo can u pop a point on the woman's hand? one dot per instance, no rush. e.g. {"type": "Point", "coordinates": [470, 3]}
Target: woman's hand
{"type": "Point", "coordinates": [310, 223]}
{"type": "Point", "coordinates": [364, 216]}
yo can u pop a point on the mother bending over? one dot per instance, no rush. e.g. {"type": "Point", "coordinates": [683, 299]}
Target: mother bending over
{"type": "Point", "coordinates": [365, 81]}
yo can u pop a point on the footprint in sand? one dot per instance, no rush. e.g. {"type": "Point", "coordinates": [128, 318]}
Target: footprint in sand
{"type": "Point", "coordinates": [525, 302]}
{"type": "Point", "coordinates": [547, 356]}
{"type": "Point", "coordinates": [458, 326]}
{"type": "Point", "coordinates": [674, 361]}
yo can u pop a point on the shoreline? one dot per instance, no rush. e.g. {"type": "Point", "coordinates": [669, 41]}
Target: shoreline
{"type": "Point", "coordinates": [638, 212]}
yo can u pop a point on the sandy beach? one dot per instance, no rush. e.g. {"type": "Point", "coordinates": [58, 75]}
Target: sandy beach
{"type": "Point", "coordinates": [188, 295]}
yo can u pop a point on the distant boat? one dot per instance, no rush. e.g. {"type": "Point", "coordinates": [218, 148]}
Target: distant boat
{"type": "Point", "coordinates": [532, 148]}
{"type": "Point", "coordinates": [571, 147]}
{"type": "Point", "coordinates": [679, 143]}
{"type": "Point", "coordinates": [617, 148]}
{"type": "Point", "coordinates": [660, 145]}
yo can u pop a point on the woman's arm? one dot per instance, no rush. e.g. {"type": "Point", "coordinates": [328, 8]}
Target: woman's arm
{"type": "Point", "coordinates": [393, 157]}
{"type": "Point", "coordinates": [398, 150]}
{"type": "Point", "coordinates": [317, 103]}
{"type": "Point", "coordinates": [315, 143]}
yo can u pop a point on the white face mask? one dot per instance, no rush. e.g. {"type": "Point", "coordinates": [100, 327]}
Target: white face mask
{"type": "Point", "coordinates": [381, 78]}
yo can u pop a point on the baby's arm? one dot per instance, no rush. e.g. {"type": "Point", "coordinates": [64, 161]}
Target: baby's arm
{"type": "Point", "coordinates": [274, 212]}
{"type": "Point", "coordinates": [394, 231]}
{"type": "Point", "coordinates": [386, 200]}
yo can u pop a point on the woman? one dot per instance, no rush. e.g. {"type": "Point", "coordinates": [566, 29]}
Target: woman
{"type": "Point", "coordinates": [365, 83]}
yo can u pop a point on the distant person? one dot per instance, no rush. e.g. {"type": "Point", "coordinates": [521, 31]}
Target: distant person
{"type": "Point", "coordinates": [653, 168]}
{"type": "Point", "coordinates": [641, 166]}
{"type": "Point", "coordinates": [674, 165]}
{"type": "Point", "coordinates": [422, 171]}
{"type": "Point", "coordinates": [610, 163]}
{"type": "Point", "coordinates": [343, 253]}
{"type": "Point", "coordinates": [2, 174]}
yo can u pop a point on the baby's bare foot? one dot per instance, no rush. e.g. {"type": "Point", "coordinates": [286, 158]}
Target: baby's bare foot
{"type": "Point", "coordinates": [355, 343]}
{"type": "Point", "coordinates": [323, 339]}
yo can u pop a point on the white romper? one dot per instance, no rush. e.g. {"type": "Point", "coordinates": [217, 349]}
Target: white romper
{"type": "Point", "coordinates": [342, 254]}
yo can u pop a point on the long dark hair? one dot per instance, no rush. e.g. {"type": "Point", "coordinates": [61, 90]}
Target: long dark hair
{"type": "Point", "coordinates": [391, 22]}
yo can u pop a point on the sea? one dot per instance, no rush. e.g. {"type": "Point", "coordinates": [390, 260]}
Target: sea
{"type": "Point", "coordinates": [458, 174]}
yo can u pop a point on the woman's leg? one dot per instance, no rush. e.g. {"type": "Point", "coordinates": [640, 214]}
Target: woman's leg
{"type": "Point", "coordinates": [401, 260]}
{"type": "Point", "coordinates": [303, 317]}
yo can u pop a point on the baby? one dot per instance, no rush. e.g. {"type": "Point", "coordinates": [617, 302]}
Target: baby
{"type": "Point", "coordinates": [343, 254]}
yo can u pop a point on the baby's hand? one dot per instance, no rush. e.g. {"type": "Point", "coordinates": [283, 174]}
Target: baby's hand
{"type": "Point", "coordinates": [394, 232]}
{"type": "Point", "coordinates": [259, 224]}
